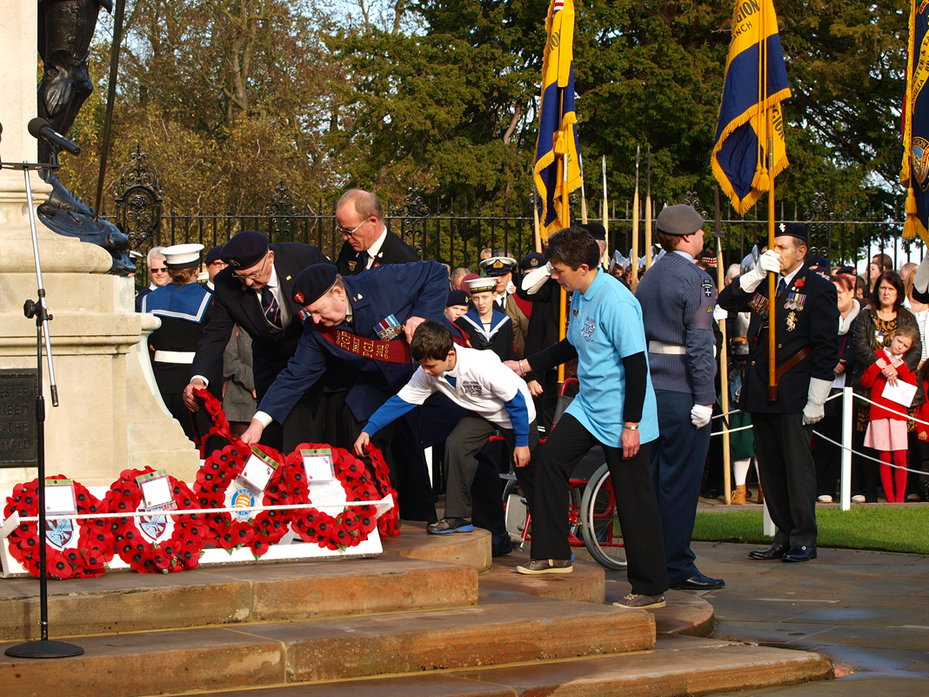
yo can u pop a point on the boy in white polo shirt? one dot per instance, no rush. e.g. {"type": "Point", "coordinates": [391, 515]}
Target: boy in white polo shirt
{"type": "Point", "coordinates": [495, 398]}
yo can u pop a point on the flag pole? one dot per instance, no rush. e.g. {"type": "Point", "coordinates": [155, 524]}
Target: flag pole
{"type": "Point", "coordinates": [648, 212]}
{"type": "Point", "coordinates": [635, 225]}
{"type": "Point", "coordinates": [723, 357]}
{"type": "Point", "coordinates": [605, 211]}
{"type": "Point", "coordinates": [580, 163]}
{"type": "Point", "coordinates": [772, 280]}
{"type": "Point", "coordinates": [565, 222]}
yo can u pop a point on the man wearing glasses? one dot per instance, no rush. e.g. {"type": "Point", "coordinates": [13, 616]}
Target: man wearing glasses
{"type": "Point", "coordinates": [255, 292]}
{"type": "Point", "coordinates": [157, 272]}
{"type": "Point", "coordinates": [367, 241]}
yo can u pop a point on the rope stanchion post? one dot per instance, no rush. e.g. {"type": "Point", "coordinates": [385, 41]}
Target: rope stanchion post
{"type": "Point", "coordinates": [848, 417]}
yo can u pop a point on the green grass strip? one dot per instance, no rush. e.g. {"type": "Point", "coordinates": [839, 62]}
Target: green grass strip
{"type": "Point", "coordinates": [903, 529]}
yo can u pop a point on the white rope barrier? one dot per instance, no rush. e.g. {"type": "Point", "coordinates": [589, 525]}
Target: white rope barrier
{"type": "Point", "coordinates": [867, 457]}
{"type": "Point", "coordinates": [192, 511]}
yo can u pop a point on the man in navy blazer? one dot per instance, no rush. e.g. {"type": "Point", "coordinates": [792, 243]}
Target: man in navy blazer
{"type": "Point", "coordinates": [255, 267]}
{"type": "Point", "coordinates": [366, 306]}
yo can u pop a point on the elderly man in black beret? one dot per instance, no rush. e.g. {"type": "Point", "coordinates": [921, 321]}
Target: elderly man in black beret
{"type": "Point", "coordinates": [355, 326]}
{"type": "Point", "coordinates": [806, 320]}
{"type": "Point", "coordinates": [254, 292]}
{"type": "Point", "coordinates": [677, 298]}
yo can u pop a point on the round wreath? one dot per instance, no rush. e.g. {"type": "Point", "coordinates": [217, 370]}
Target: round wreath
{"type": "Point", "coordinates": [95, 541]}
{"type": "Point", "coordinates": [219, 471]}
{"type": "Point", "coordinates": [180, 552]}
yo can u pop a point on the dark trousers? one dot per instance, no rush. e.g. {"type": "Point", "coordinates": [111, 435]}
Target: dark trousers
{"type": "Point", "coordinates": [461, 449]}
{"type": "Point", "coordinates": [676, 469]}
{"type": "Point", "coordinates": [635, 501]}
{"type": "Point", "coordinates": [788, 475]}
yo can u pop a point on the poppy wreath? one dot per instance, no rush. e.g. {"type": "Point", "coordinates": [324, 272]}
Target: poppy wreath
{"type": "Point", "coordinates": [218, 473]}
{"type": "Point", "coordinates": [389, 523]}
{"type": "Point", "coordinates": [95, 541]}
{"type": "Point", "coordinates": [350, 527]}
{"type": "Point", "coordinates": [180, 552]}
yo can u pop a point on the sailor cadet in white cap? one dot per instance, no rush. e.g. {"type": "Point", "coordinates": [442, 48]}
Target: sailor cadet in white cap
{"type": "Point", "coordinates": [486, 325]}
{"type": "Point", "coordinates": [184, 307]}
{"type": "Point", "coordinates": [501, 268]}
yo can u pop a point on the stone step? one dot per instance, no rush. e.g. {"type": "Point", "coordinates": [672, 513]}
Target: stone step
{"type": "Point", "coordinates": [274, 654]}
{"type": "Point", "coordinates": [679, 666]}
{"type": "Point", "coordinates": [130, 602]}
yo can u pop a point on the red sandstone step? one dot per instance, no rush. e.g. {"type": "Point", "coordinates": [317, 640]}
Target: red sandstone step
{"type": "Point", "coordinates": [130, 602]}
{"type": "Point", "coordinates": [218, 658]}
{"type": "Point", "coordinates": [679, 666]}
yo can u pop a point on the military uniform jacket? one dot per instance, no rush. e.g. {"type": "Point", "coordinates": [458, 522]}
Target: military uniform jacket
{"type": "Point", "coordinates": [805, 314]}
{"type": "Point", "coordinates": [234, 304]}
{"type": "Point", "coordinates": [393, 251]}
{"type": "Point", "coordinates": [403, 290]}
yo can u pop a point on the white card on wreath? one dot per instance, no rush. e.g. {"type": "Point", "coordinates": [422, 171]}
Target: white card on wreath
{"type": "Point", "coordinates": [317, 463]}
{"type": "Point", "coordinates": [326, 493]}
{"type": "Point", "coordinates": [59, 497]}
{"type": "Point", "coordinates": [258, 470]}
{"type": "Point", "coordinates": [156, 490]}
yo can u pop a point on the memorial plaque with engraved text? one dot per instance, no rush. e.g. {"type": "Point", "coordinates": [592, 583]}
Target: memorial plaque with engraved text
{"type": "Point", "coordinates": [17, 417]}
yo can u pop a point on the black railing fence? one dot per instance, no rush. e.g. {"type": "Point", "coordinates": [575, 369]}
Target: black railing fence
{"type": "Point", "coordinates": [454, 231]}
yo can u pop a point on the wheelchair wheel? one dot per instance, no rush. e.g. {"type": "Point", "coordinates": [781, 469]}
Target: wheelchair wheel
{"type": "Point", "coordinates": [600, 522]}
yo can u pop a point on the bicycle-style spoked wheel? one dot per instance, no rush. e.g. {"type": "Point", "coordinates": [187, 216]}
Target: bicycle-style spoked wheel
{"type": "Point", "coordinates": [600, 522]}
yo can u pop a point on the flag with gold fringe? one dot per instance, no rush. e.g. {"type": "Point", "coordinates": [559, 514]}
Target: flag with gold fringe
{"type": "Point", "coordinates": [557, 120]}
{"type": "Point", "coordinates": [756, 81]}
{"type": "Point", "coordinates": [915, 171]}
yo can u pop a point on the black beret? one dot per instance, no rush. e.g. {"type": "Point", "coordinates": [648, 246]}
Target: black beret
{"type": "Point", "coordinates": [532, 260]}
{"type": "Point", "coordinates": [214, 254]}
{"type": "Point", "coordinates": [245, 249]}
{"type": "Point", "coordinates": [848, 271]}
{"type": "Point", "coordinates": [596, 230]}
{"type": "Point", "coordinates": [790, 230]}
{"type": "Point", "coordinates": [313, 282]}
{"type": "Point", "coordinates": [457, 297]}
{"type": "Point", "coordinates": [679, 220]}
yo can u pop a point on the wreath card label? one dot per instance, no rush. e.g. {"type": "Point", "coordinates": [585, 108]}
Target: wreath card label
{"type": "Point", "coordinates": [317, 462]}
{"type": "Point", "coordinates": [156, 491]}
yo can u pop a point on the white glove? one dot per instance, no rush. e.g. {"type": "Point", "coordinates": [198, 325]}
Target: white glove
{"type": "Point", "coordinates": [700, 415]}
{"type": "Point", "coordinates": [534, 280]}
{"type": "Point", "coordinates": [921, 279]}
{"type": "Point", "coordinates": [719, 314]}
{"type": "Point", "coordinates": [816, 397]}
{"type": "Point", "coordinates": [769, 262]}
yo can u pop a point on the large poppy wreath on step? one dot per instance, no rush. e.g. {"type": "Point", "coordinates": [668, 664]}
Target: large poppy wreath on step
{"type": "Point", "coordinates": [288, 485]}
{"type": "Point", "coordinates": [155, 543]}
{"type": "Point", "coordinates": [64, 559]}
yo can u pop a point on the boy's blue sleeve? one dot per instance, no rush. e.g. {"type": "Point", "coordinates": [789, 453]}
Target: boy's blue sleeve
{"type": "Point", "coordinates": [390, 411]}
{"type": "Point", "coordinates": [519, 417]}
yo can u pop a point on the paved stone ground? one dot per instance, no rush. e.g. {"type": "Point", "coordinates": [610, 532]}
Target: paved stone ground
{"type": "Point", "coordinates": [867, 611]}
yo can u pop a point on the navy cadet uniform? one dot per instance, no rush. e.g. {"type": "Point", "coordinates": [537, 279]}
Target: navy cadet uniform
{"type": "Point", "coordinates": [807, 327]}
{"type": "Point", "coordinates": [677, 299]}
{"type": "Point", "coordinates": [497, 335]}
{"type": "Point", "coordinates": [507, 303]}
{"type": "Point", "coordinates": [184, 311]}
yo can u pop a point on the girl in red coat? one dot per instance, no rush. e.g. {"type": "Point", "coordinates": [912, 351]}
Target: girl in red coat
{"type": "Point", "coordinates": [887, 430]}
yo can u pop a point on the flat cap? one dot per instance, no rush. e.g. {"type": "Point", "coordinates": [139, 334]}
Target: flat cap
{"type": "Point", "coordinates": [679, 220]}
{"type": "Point", "coordinates": [214, 254]}
{"type": "Point", "coordinates": [245, 249]}
{"type": "Point", "coordinates": [456, 297]}
{"type": "Point", "coordinates": [790, 230]}
{"type": "Point", "coordinates": [532, 260]}
{"type": "Point", "coordinates": [480, 285]}
{"type": "Point", "coordinates": [596, 230]}
{"type": "Point", "coordinates": [313, 283]}
{"type": "Point", "coordinates": [182, 256]}
{"type": "Point", "coordinates": [498, 266]}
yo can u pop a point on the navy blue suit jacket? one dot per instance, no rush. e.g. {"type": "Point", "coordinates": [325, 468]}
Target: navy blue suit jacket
{"type": "Point", "coordinates": [418, 289]}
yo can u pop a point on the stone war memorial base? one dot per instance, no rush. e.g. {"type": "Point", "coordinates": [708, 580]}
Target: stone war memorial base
{"type": "Point", "coordinates": [433, 615]}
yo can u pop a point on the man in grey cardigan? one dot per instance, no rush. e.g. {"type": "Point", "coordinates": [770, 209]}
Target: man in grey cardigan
{"type": "Point", "coordinates": [677, 299]}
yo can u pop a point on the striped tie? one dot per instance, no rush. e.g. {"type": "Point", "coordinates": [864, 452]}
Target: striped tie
{"type": "Point", "coordinates": [270, 307]}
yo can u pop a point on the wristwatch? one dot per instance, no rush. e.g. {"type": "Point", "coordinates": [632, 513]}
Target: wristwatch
{"type": "Point", "coordinates": [634, 427]}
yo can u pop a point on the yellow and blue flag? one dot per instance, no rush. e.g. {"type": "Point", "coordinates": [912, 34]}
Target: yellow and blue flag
{"type": "Point", "coordinates": [557, 120]}
{"type": "Point", "coordinates": [915, 173]}
{"type": "Point", "coordinates": [756, 82]}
